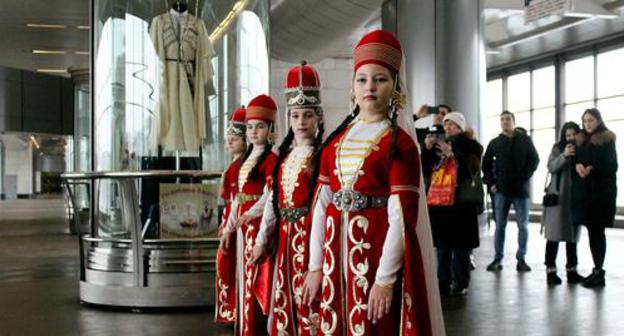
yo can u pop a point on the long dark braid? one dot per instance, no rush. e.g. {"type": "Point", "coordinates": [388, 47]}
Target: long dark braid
{"type": "Point", "coordinates": [284, 150]}
{"type": "Point", "coordinates": [394, 102]}
{"type": "Point", "coordinates": [255, 171]}
{"type": "Point", "coordinates": [315, 160]}
{"type": "Point", "coordinates": [247, 152]}
{"type": "Point", "coordinates": [394, 153]}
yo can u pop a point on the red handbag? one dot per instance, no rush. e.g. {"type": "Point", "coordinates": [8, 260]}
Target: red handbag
{"type": "Point", "coordinates": [443, 184]}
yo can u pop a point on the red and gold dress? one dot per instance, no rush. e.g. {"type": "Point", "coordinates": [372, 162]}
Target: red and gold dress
{"type": "Point", "coordinates": [254, 282]}
{"type": "Point", "coordinates": [225, 298]}
{"type": "Point", "coordinates": [289, 316]}
{"type": "Point", "coordinates": [365, 217]}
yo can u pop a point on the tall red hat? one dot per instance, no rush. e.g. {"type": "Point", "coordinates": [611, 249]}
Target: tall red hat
{"type": "Point", "coordinates": [237, 122]}
{"type": "Point", "coordinates": [378, 47]}
{"type": "Point", "coordinates": [262, 107]}
{"type": "Point", "coordinates": [303, 86]}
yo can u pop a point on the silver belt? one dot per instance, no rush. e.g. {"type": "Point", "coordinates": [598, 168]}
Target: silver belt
{"type": "Point", "coordinates": [351, 201]}
{"type": "Point", "coordinates": [293, 214]}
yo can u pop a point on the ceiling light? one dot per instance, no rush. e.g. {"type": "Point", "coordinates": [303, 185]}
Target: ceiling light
{"type": "Point", "coordinates": [43, 70]}
{"type": "Point", "coordinates": [83, 27]}
{"type": "Point", "coordinates": [237, 8]}
{"type": "Point", "coordinates": [50, 26]}
{"type": "Point", "coordinates": [81, 53]}
{"type": "Point", "coordinates": [492, 51]}
{"type": "Point", "coordinates": [49, 52]}
{"type": "Point", "coordinates": [34, 141]}
{"type": "Point", "coordinates": [589, 15]}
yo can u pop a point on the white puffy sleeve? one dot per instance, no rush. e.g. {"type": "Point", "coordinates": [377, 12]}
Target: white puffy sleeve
{"type": "Point", "coordinates": [317, 232]}
{"type": "Point", "coordinates": [267, 225]}
{"type": "Point", "coordinates": [393, 248]}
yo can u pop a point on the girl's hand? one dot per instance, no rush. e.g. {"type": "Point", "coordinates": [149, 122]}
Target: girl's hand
{"type": "Point", "coordinates": [379, 302]}
{"type": "Point", "coordinates": [312, 287]}
{"type": "Point", "coordinates": [243, 220]}
{"type": "Point", "coordinates": [257, 254]}
{"type": "Point", "coordinates": [225, 240]}
{"type": "Point", "coordinates": [446, 149]}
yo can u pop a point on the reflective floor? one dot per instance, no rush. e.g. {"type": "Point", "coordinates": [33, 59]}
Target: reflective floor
{"type": "Point", "coordinates": [39, 292]}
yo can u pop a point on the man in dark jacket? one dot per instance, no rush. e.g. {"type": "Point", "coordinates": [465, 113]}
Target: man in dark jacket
{"type": "Point", "coordinates": [508, 164]}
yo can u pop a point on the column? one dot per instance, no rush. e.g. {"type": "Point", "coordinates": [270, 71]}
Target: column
{"type": "Point", "coordinates": [445, 58]}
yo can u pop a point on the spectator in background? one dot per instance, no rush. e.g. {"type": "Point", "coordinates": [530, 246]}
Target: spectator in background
{"type": "Point", "coordinates": [594, 188]}
{"type": "Point", "coordinates": [429, 121]}
{"type": "Point", "coordinates": [444, 109]}
{"type": "Point", "coordinates": [557, 225]}
{"type": "Point", "coordinates": [508, 164]}
{"type": "Point", "coordinates": [456, 227]}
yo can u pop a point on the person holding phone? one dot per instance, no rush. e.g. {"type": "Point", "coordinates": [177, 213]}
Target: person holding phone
{"type": "Point", "coordinates": [455, 227]}
{"type": "Point", "coordinates": [557, 225]}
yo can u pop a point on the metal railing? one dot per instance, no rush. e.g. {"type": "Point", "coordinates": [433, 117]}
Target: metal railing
{"type": "Point", "coordinates": [145, 254]}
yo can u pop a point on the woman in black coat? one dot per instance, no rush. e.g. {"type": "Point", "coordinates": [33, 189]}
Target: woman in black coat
{"type": "Point", "coordinates": [456, 227]}
{"type": "Point", "coordinates": [594, 188]}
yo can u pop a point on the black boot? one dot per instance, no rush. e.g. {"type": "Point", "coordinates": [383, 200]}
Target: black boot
{"type": "Point", "coordinates": [573, 276]}
{"type": "Point", "coordinates": [551, 277]}
{"type": "Point", "coordinates": [595, 280]}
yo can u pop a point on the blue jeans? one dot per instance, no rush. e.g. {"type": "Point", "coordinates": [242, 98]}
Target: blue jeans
{"type": "Point", "coordinates": [453, 267]}
{"type": "Point", "coordinates": [502, 204]}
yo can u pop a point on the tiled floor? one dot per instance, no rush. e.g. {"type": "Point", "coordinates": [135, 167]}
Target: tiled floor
{"type": "Point", "coordinates": [39, 294]}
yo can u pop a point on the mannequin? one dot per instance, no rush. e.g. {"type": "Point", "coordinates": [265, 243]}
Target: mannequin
{"type": "Point", "coordinates": [180, 6]}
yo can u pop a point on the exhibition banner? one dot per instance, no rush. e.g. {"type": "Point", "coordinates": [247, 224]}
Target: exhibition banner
{"type": "Point", "coordinates": [188, 210]}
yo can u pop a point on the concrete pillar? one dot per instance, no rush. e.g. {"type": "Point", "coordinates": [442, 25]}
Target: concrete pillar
{"type": "Point", "coordinates": [445, 58]}
{"type": "Point", "coordinates": [2, 169]}
{"type": "Point", "coordinates": [461, 72]}
{"type": "Point", "coordinates": [415, 26]}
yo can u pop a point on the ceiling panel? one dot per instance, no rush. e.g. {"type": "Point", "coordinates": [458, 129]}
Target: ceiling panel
{"type": "Point", "coordinates": [18, 40]}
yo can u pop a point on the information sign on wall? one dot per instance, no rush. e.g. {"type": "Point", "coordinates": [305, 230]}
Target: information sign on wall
{"type": "Point", "coordinates": [539, 9]}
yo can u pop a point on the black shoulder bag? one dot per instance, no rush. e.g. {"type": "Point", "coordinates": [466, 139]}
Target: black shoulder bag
{"type": "Point", "coordinates": [551, 199]}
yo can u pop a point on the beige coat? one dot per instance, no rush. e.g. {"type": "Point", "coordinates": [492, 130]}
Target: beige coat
{"type": "Point", "coordinates": [180, 116]}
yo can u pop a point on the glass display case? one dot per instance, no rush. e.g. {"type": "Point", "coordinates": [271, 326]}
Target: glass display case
{"type": "Point", "coordinates": [166, 74]}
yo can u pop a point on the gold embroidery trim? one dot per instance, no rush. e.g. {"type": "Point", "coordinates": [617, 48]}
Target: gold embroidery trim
{"type": "Point", "coordinates": [329, 264]}
{"type": "Point", "coordinates": [352, 156]}
{"type": "Point", "coordinates": [357, 172]}
{"type": "Point", "coordinates": [359, 273]}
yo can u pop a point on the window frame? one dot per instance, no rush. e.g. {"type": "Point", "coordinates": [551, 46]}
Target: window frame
{"type": "Point", "coordinates": [558, 59]}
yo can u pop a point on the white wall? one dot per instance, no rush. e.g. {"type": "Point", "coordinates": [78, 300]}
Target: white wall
{"type": "Point", "coordinates": [19, 161]}
{"type": "Point", "coordinates": [335, 73]}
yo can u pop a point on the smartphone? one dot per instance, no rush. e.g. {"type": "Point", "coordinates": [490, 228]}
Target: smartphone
{"type": "Point", "coordinates": [433, 110]}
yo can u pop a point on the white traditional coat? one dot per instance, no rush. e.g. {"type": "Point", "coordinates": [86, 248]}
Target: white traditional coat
{"type": "Point", "coordinates": [182, 44]}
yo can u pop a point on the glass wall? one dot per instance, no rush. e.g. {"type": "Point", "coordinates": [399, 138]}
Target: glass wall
{"type": "Point", "coordinates": [590, 79]}
{"type": "Point", "coordinates": [165, 80]}
{"type": "Point", "coordinates": [530, 95]}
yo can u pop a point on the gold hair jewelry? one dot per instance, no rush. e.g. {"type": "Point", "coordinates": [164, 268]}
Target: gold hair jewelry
{"type": "Point", "coordinates": [398, 100]}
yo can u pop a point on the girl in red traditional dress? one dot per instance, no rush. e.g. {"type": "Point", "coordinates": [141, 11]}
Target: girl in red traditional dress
{"type": "Point", "coordinates": [365, 253]}
{"type": "Point", "coordinates": [225, 298]}
{"type": "Point", "coordinates": [294, 181]}
{"type": "Point", "coordinates": [254, 181]}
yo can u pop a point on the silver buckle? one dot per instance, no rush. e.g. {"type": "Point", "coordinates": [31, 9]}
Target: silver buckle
{"type": "Point", "coordinates": [349, 200]}
{"type": "Point", "coordinates": [293, 214]}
